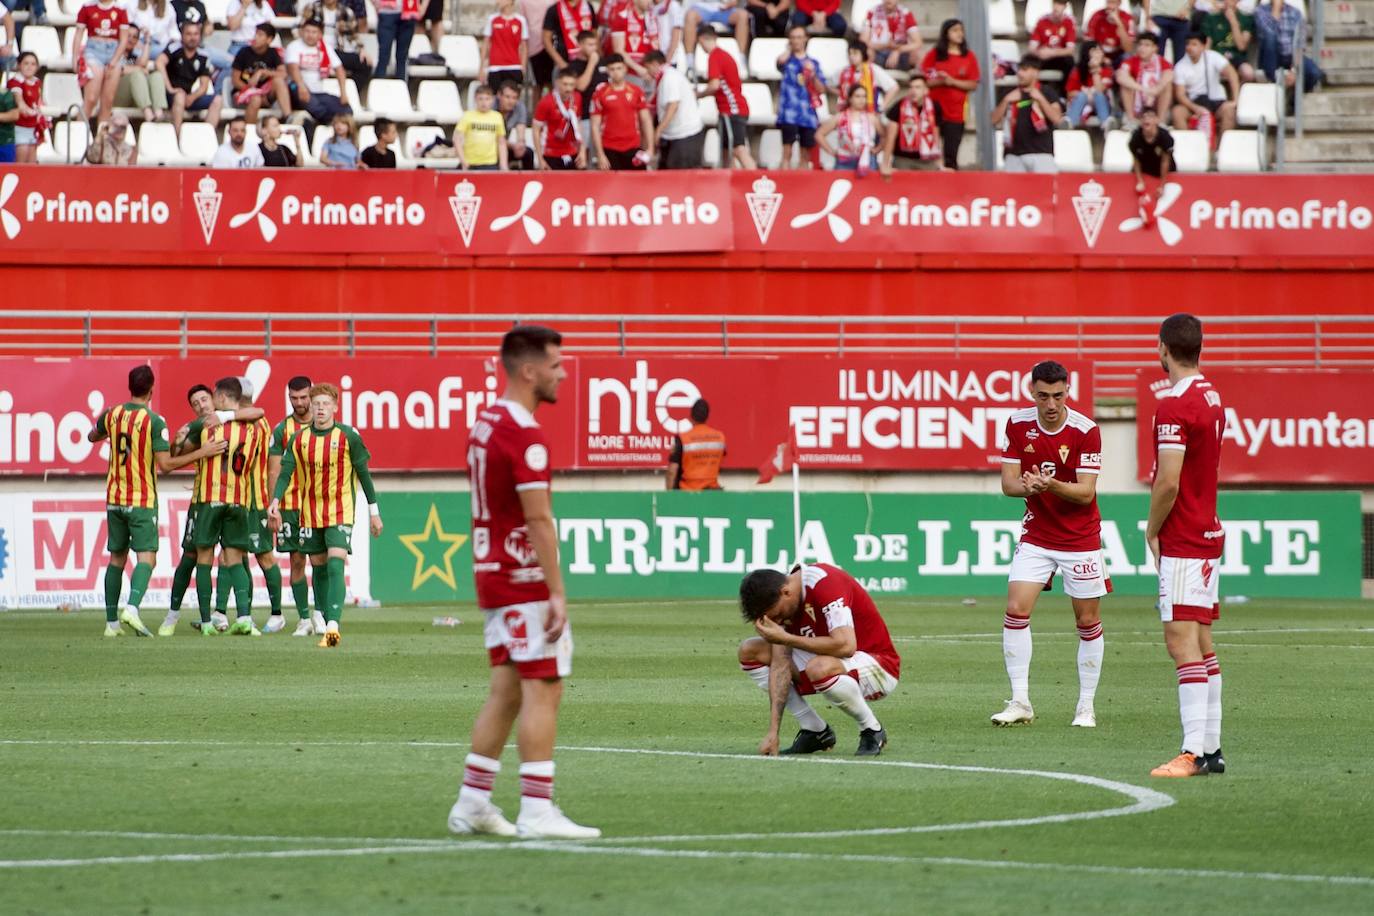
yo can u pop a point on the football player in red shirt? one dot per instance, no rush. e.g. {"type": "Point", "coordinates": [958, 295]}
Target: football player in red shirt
{"type": "Point", "coordinates": [1186, 540]}
{"type": "Point", "coordinates": [520, 591]}
{"type": "Point", "coordinates": [818, 632]}
{"type": "Point", "coordinates": [1052, 460]}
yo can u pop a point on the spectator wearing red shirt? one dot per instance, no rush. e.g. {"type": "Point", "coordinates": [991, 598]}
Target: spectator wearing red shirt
{"type": "Point", "coordinates": [1146, 79]}
{"type": "Point", "coordinates": [622, 131]}
{"type": "Point", "coordinates": [505, 46]}
{"type": "Point", "coordinates": [952, 72]}
{"type": "Point", "coordinates": [1114, 30]}
{"type": "Point", "coordinates": [1090, 89]}
{"type": "Point", "coordinates": [1053, 39]}
{"type": "Point", "coordinates": [558, 139]}
{"type": "Point", "coordinates": [634, 33]}
{"type": "Point", "coordinates": [28, 97]}
{"type": "Point", "coordinates": [723, 81]}
{"type": "Point", "coordinates": [101, 43]}
{"type": "Point", "coordinates": [891, 33]}
{"type": "Point", "coordinates": [820, 17]}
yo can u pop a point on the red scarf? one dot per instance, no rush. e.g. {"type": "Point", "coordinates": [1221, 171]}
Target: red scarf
{"type": "Point", "coordinates": [641, 33]}
{"type": "Point", "coordinates": [856, 136]}
{"type": "Point", "coordinates": [1038, 121]}
{"type": "Point", "coordinates": [917, 129]}
{"type": "Point", "coordinates": [571, 20]}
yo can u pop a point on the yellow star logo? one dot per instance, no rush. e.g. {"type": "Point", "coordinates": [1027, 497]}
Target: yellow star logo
{"type": "Point", "coordinates": [423, 545]}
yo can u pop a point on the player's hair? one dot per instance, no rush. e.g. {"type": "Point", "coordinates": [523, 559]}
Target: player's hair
{"type": "Point", "coordinates": [585, 34]}
{"type": "Point", "coordinates": [700, 411]}
{"type": "Point", "coordinates": [1049, 372]}
{"type": "Point", "coordinates": [230, 386]}
{"type": "Point", "coordinates": [613, 59]}
{"type": "Point", "coordinates": [267, 29]}
{"type": "Point", "coordinates": [759, 591]}
{"type": "Point", "coordinates": [654, 57]}
{"type": "Point", "coordinates": [298, 383]}
{"type": "Point", "coordinates": [1181, 335]}
{"type": "Point", "coordinates": [324, 388]}
{"type": "Point", "coordinates": [196, 389]}
{"type": "Point", "coordinates": [526, 342]}
{"type": "Point", "coordinates": [1151, 37]}
{"type": "Point", "coordinates": [140, 381]}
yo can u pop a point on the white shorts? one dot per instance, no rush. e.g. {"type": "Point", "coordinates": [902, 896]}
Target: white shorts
{"type": "Point", "coordinates": [515, 635]}
{"type": "Point", "coordinates": [1085, 573]}
{"type": "Point", "coordinates": [874, 680]}
{"type": "Point", "coordinates": [1189, 589]}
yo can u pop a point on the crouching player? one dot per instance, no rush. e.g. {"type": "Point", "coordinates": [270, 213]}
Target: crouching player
{"type": "Point", "coordinates": [819, 632]}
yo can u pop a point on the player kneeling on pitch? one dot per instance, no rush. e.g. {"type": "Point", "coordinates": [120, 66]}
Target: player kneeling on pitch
{"type": "Point", "coordinates": [819, 632]}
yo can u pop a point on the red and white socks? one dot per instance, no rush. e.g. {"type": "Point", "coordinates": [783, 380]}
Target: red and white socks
{"type": "Point", "coordinates": [1091, 647]}
{"type": "Point", "coordinates": [806, 717]}
{"type": "Point", "coordinates": [843, 692]}
{"type": "Point", "coordinates": [1211, 741]}
{"type": "Point", "coordinates": [1192, 705]}
{"type": "Point", "coordinates": [479, 776]}
{"type": "Point", "coordinates": [536, 788]}
{"type": "Point", "coordinates": [1016, 651]}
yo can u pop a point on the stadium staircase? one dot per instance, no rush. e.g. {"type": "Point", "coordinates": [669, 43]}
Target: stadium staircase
{"type": "Point", "coordinates": [1338, 121]}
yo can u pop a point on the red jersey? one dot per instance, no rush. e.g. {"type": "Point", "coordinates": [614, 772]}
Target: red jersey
{"type": "Point", "coordinates": [892, 28]}
{"type": "Point", "coordinates": [949, 100]}
{"type": "Point", "coordinates": [32, 91]}
{"type": "Point", "coordinates": [1075, 82]}
{"type": "Point", "coordinates": [720, 65]}
{"type": "Point", "coordinates": [1051, 522]}
{"type": "Point", "coordinates": [1051, 34]}
{"type": "Point", "coordinates": [1189, 418]}
{"type": "Point", "coordinates": [102, 21]}
{"type": "Point", "coordinates": [1103, 31]}
{"type": "Point", "coordinates": [640, 31]}
{"type": "Point", "coordinates": [561, 128]}
{"type": "Point", "coordinates": [831, 599]}
{"type": "Point", "coordinates": [505, 35]}
{"type": "Point", "coordinates": [619, 110]}
{"type": "Point", "coordinates": [810, 7]}
{"type": "Point", "coordinates": [507, 454]}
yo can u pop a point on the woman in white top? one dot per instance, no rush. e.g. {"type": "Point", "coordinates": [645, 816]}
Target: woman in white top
{"type": "Point", "coordinates": [157, 21]}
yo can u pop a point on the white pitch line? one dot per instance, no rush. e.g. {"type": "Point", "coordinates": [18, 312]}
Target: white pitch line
{"type": "Point", "coordinates": [1248, 631]}
{"type": "Point", "coordinates": [206, 837]}
{"type": "Point", "coordinates": [956, 641]}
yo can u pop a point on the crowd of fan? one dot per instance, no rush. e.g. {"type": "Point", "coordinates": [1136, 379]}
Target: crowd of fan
{"type": "Point", "coordinates": [617, 88]}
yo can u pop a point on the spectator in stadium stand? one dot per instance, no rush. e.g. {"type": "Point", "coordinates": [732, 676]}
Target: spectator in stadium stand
{"type": "Point", "coordinates": [540, 61]}
{"type": "Point", "coordinates": [260, 75]}
{"type": "Point", "coordinates": [951, 69]}
{"type": "Point", "coordinates": [275, 154]}
{"type": "Point", "coordinates": [9, 44]}
{"type": "Point", "coordinates": [243, 17]}
{"type": "Point", "coordinates": [135, 85]}
{"type": "Point", "coordinates": [681, 136]}
{"type": "Point", "coordinates": [892, 36]}
{"type": "Point", "coordinates": [1090, 88]}
{"type": "Point", "coordinates": [724, 13]}
{"type": "Point", "coordinates": [9, 116]}
{"type": "Point", "coordinates": [1052, 40]}
{"type": "Point", "coordinates": [99, 61]}
{"type": "Point", "coordinates": [800, 91]}
{"type": "Point", "coordinates": [860, 72]}
{"type": "Point", "coordinates": [155, 25]}
{"type": "Point", "coordinates": [770, 17]}
{"type": "Point", "coordinates": [820, 17]}
{"type": "Point", "coordinates": [1171, 20]}
{"type": "Point", "coordinates": [193, 11]}
{"type": "Point", "coordinates": [187, 75]}
{"type": "Point", "coordinates": [634, 33]}
{"type": "Point", "coordinates": [505, 46]}
{"type": "Point", "coordinates": [342, 24]}
{"type": "Point", "coordinates": [309, 62]}
{"type": "Point", "coordinates": [559, 138]}
{"type": "Point", "coordinates": [1278, 33]}
{"type": "Point", "coordinates": [480, 137]}
{"type": "Point", "coordinates": [722, 81]}
{"type": "Point", "coordinates": [1113, 29]}
{"type": "Point", "coordinates": [1028, 115]}
{"type": "Point", "coordinates": [694, 463]}
{"type": "Point", "coordinates": [28, 102]}
{"type": "Point", "coordinates": [380, 155]}
{"type": "Point", "coordinates": [110, 145]}
{"type": "Point", "coordinates": [671, 19]}
{"type": "Point", "coordinates": [1146, 79]}
{"type": "Point", "coordinates": [396, 21]}
{"type": "Point", "coordinates": [1152, 150]}
{"type": "Point", "coordinates": [519, 155]}
{"type": "Point", "coordinates": [858, 135]}
{"type": "Point", "coordinates": [591, 73]}
{"type": "Point", "coordinates": [432, 17]}
{"type": "Point", "coordinates": [564, 24]}
{"type": "Point", "coordinates": [237, 151]}
{"type": "Point", "coordinates": [622, 131]}
{"type": "Point", "coordinates": [912, 141]}
{"type": "Point", "coordinates": [340, 151]}
{"type": "Point", "coordinates": [1202, 79]}
{"type": "Point", "coordinates": [1229, 32]}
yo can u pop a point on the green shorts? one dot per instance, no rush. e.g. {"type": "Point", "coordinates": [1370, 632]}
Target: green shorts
{"type": "Point", "coordinates": [131, 528]}
{"type": "Point", "coordinates": [188, 534]}
{"type": "Point", "coordinates": [319, 540]}
{"type": "Point", "coordinates": [222, 525]}
{"type": "Point", "coordinates": [259, 535]}
{"type": "Point", "coordinates": [289, 535]}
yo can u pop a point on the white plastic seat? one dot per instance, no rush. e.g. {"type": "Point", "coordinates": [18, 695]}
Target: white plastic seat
{"type": "Point", "coordinates": [710, 157]}
{"type": "Point", "coordinates": [859, 12]}
{"type": "Point", "coordinates": [65, 135]}
{"type": "Point", "coordinates": [218, 11]}
{"type": "Point", "coordinates": [759, 98]}
{"type": "Point", "coordinates": [322, 134]}
{"type": "Point", "coordinates": [1116, 153]}
{"type": "Point", "coordinates": [389, 98]}
{"type": "Point", "coordinates": [1258, 101]}
{"type": "Point", "coordinates": [361, 113]}
{"type": "Point", "coordinates": [199, 142]}
{"type": "Point", "coordinates": [63, 13]}
{"type": "Point", "coordinates": [43, 41]}
{"type": "Point", "coordinates": [60, 92]}
{"type": "Point", "coordinates": [420, 45]}
{"type": "Point", "coordinates": [157, 145]}
{"type": "Point", "coordinates": [1073, 151]}
{"type": "Point", "coordinates": [1239, 151]}
{"type": "Point", "coordinates": [438, 101]}
{"type": "Point", "coordinates": [725, 44]}
{"type": "Point", "coordinates": [419, 137]}
{"type": "Point", "coordinates": [770, 149]}
{"type": "Point", "coordinates": [763, 58]}
{"type": "Point", "coordinates": [462, 54]}
{"type": "Point", "coordinates": [367, 136]}
{"type": "Point", "coordinates": [832, 54]}
{"type": "Point", "coordinates": [1190, 151]}
{"type": "Point", "coordinates": [1006, 49]}
{"type": "Point", "coordinates": [710, 113]}
{"type": "Point", "coordinates": [1002, 17]}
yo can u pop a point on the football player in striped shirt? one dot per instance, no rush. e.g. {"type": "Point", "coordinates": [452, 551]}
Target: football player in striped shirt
{"type": "Point", "coordinates": [288, 537]}
{"type": "Point", "coordinates": [260, 540]}
{"type": "Point", "coordinates": [326, 462]}
{"type": "Point", "coordinates": [139, 449]}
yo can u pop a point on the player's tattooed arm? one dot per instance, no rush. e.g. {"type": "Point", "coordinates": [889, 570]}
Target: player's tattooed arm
{"type": "Point", "coordinates": [780, 672]}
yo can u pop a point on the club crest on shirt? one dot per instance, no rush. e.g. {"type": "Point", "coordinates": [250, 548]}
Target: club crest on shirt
{"type": "Point", "coordinates": [1064, 453]}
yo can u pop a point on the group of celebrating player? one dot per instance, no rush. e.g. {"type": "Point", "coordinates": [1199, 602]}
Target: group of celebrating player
{"type": "Point", "coordinates": [310, 466]}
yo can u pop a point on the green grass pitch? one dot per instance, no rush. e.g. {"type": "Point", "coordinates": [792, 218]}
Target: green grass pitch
{"type": "Point", "coordinates": [268, 776]}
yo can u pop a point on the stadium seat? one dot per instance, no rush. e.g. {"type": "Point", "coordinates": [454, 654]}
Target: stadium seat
{"type": "Point", "coordinates": [390, 98]}
{"type": "Point", "coordinates": [1258, 102]}
{"type": "Point", "coordinates": [420, 45]}
{"type": "Point", "coordinates": [371, 16]}
{"type": "Point", "coordinates": [63, 13]}
{"type": "Point", "coordinates": [368, 42]}
{"type": "Point", "coordinates": [1239, 151]}
{"type": "Point", "coordinates": [218, 11]}
{"type": "Point", "coordinates": [417, 138]}
{"type": "Point", "coordinates": [157, 144]}
{"type": "Point", "coordinates": [43, 41]}
{"type": "Point", "coordinates": [60, 92]}
{"type": "Point", "coordinates": [437, 100]}
{"type": "Point", "coordinates": [1073, 151]}
{"type": "Point", "coordinates": [367, 136]}
{"type": "Point", "coordinates": [1190, 151]}
{"type": "Point", "coordinates": [763, 58]}
{"type": "Point", "coordinates": [361, 114]}
{"type": "Point", "coordinates": [1006, 49]}
{"type": "Point", "coordinates": [285, 23]}
{"type": "Point", "coordinates": [859, 12]}
{"type": "Point", "coordinates": [322, 134]}
{"type": "Point", "coordinates": [725, 44]}
{"type": "Point", "coordinates": [833, 55]}
{"type": "Point", "coordinates": [462, 54]}
{"type": "Point", "coordinates": [770, 149]}
{"type": "Point", "coordinates": [54, 150]}
{"type": "Point", "coordinates": [711, 155]}
{"type": "Point", "coordinates": [710, 114]}
{"type": "Point", "coordinates": [759, 97]}
{"type": "Point", "coordinates": [1002, 17]}
{"type": "Point", "coordinates": [199, 142]}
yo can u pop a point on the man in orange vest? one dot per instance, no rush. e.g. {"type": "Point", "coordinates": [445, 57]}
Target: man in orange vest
{"type": "Point", "coordinates": [695, 461]}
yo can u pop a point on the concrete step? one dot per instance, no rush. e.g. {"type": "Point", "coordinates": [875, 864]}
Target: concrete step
{"type": "Point", "coordinates": [1363, 77]}
{"type": "Point", "coordinates": [1339, 101]}
{"type": "Point", "coordinates": [1342, 12]}
{"type": "Point", "coordinates": [1347, 30]}
{"type": "Point", "coordinates": [1334, 124]}
{"type": "Point", "coordinates": [1348, 55]}
{"type": "Point", "coordinates": [1331, 148]}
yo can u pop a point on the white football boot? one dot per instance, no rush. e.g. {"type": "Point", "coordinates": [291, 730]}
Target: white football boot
{"type": "Point", "coordinates": [1084, 717]}
{"type": "Point", "coordinates": [304, 628]}
{"type": "Point", "coordinates": [219, 621]}
{"type": "Point", "coordinates": [1015, 712]}
{"type": "Point", "coordinates": [317, 621]}
{"type": "Point", "coordinates": [466, 820]}
{"type": "Point", "coordinates": [553, 824]}
{"type": "Point", "coordinates": [275, 624]}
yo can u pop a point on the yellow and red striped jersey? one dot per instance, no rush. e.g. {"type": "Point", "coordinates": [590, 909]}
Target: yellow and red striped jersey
{"type": "Point", "coordinates": [282, 435]}
{"type": "Point", "coordinates": [258, 485]}
{"type": "Point", "coordinates": [325, 474]}
{"type": "Point", "coordinates": [135, 433]}
{"type": "Point", "coordinates": [228, 478]}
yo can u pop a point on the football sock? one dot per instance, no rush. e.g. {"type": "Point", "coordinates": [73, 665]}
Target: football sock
{"type": "Point", "coordinates": [1016, 651]}
{"type": "Point", "coordinates": [843, 691]}
{"type": "Point", "coordinates": [536, 788]}
{"type": "Point", "coordinates": [113, 584]}
{"type": "Point", "coordinates": [806, 717]}
{"type": "Point", "coordinates": [181, 579]}
{"type": "Point", "coordinates": [321, 575]}
{"type": "Point", "coordinates": [336, 590]}
{"type": "Point", "coordinates": [142, 573]}
{"type": "Point", "coordinates": [224, 584]}
{"type": "Point", "coordinates": [243, 590]}
{"type": "Point", "coordinates": [300, 593]}
{"type": "Point", "coordinates": [479, 776]}
{"type": "Point", "coordinates": [1192, 705]}
{"type": "Point", "coordinates": [1211, 741]}
{"type": "Point", "coordinates": [204, 589]}
{"type": "Point", "coordinates": [1091, 648]}
{"type": "Point", "coordinates": [272, 573]}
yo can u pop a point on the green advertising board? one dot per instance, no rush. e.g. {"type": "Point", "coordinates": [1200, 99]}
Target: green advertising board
{"type": "Point", "coordinates": [675, 544]}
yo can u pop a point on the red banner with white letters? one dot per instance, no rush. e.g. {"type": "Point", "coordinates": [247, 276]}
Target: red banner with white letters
{"type": "Point", "coordinates": [47, 208]}
{"type": "Point", "coordinates": [1282, 425]}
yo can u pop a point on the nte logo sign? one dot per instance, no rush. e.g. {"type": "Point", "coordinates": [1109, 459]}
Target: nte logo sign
{"type": "Point", "coordinates": [632, 399]}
